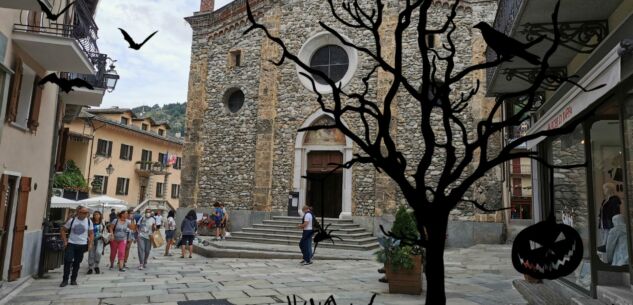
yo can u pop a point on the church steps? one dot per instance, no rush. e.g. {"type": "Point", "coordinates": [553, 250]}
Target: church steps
{"type": "Point", "coordinates": [337, 245]}
{"type": "Point", "coordinates": [294, 228]}
{"type": "Point", "coordinates": [342, 234]}
{"type": "Point", "coordinates": [327, 220]}
{"type": "Point", "coordinates": [296, 237]}
{"type": "Point", "coordinates": [298, 221]}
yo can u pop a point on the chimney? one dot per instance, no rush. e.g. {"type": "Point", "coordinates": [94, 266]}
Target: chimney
{"type": "Point", "coordinates": [207, 5]}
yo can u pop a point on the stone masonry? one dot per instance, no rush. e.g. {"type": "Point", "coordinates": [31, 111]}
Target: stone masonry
{"type": "Point", "coordinates": [247, 159]}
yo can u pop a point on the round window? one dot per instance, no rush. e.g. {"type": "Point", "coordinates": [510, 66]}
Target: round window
{"type": "Point", "coordinates": [331, 60]}
{"type": "Point", "coordinates": [235, 101]}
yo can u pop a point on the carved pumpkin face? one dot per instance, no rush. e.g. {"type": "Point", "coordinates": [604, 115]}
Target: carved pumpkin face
{"type": "Point", "coordinates": [547, 250]}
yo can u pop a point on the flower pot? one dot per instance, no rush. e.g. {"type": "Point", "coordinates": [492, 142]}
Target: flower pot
{"type": "Point", "coordinates": [405, 281]}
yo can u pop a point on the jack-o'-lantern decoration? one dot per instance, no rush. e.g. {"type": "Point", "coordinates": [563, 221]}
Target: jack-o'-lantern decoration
{"type": "Point", "coordinates": [547, 250]}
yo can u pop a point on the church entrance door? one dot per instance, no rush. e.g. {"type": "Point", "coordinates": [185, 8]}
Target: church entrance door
{"type": "Point", "coordinates": [325, 190]}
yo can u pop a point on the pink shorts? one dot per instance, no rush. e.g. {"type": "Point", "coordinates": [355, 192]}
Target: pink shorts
{"type": "Point", "coordinates": [117, 247]}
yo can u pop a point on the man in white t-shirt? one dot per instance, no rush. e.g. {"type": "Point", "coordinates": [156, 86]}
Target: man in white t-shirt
{"type": "Point", "coordinates": [79, 240]}
{"type": "Point", "coordinates": [159, 220]}
{"type": "Point", "coordinates": [306, 239]}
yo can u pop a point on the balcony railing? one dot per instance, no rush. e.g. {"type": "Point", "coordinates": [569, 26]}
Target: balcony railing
{"type": "Point", "coordinates": [523, 169]}
{"type": "Point", "coordinates": [77, 23]}
{"type": "Point", "coordinates": [98, 80]}
{"type": "Point", "coordinates": [507, 12]}
{"type": "Point", "coordinates": [147, 168]}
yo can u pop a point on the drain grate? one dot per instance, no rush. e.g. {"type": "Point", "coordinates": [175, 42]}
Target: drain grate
{"type": "Point", "coordinates": [206, 302]}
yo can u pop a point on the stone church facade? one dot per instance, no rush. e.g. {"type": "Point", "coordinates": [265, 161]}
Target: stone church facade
{"type": "Point", "coordinates": [242, 143]}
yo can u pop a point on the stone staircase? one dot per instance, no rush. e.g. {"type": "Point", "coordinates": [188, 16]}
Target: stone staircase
{"type": "Point", "coordinates": [282, 230]}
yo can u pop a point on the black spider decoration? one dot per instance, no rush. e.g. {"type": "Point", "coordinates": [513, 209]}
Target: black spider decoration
{"type": "Point", "coordinates": [323, 234]}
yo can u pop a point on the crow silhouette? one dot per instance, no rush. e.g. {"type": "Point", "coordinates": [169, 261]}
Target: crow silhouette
{"type": "Point", "coordinates": [133, 44]}
{"type": "Point", "coordinates": [508, 47]}
{"type": "Point", "coordinates": [50, 14]}
{"type": "Point", "coordinates": [65, 84]}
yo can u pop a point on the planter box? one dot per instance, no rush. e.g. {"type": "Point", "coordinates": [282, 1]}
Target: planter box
{"type": "Point", "coordinates": [406, 281]}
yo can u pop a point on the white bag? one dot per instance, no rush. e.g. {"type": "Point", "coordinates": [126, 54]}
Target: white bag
{"type": "Point", "coordinates": [227, 234]}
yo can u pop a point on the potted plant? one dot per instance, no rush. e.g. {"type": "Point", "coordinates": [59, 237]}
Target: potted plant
{"type": "Point", "coordinates": [403, 262]}
{"type": "Point", "coordinates": [71, 180]}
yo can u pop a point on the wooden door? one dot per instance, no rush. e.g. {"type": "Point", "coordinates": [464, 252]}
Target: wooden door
{"type": "Point", "coordinates": [324, 189]}
{"type": "Point", "coordinates": [5, 212]}
{"type": "Point", "coordinates": [15, 269]}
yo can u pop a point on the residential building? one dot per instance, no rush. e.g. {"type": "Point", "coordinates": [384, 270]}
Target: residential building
{"type": "Point", "coordinates": [597, 48]}
{"type": "Point", "coordinates": [243, 146]}
{"type": "Point", "coordinates": [32, 46]}
{"type": "Point", "coordinates": [146, 161]}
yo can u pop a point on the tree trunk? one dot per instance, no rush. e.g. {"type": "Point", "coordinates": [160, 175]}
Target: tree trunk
{"type": "Point", "coordinates": [434, 258]}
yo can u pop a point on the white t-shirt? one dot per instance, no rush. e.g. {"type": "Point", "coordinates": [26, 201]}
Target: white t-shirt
{"type": "Point", "coordinates": [159, 220]}
{"type": "Point", "coordinates": [308, 217]}
{"type": "Point", "coordinates": [79, 232]}
{"type": "Point", "coordinates": [171, 224]}
{"type": "Point", "coordinates": [145, 227]}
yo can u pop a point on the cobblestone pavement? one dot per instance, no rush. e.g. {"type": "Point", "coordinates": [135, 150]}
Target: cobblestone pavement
{"type": "Point", "coordinates": [478, 275]}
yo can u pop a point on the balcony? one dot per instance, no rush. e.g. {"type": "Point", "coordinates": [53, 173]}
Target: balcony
{"type": "Point", "coordinates": [72, 44]}
{"type": "Point", "coordinates": [25, 5]}
{"type": "Point", "coordinates": [84, 96]}
{"type": "Point", "coordinates": [523, 169]}
{"type": "Point", "coordinates": [583, 25]}
{"type": "Point", "coordinates": [149, 168]}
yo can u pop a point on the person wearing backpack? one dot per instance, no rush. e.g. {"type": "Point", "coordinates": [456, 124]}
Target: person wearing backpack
{"type": "Point", "coordinates": [119, 229]}
{"type": "Point", "coordinates": [146, 226]}
{"type": "Point", "coordinates": [306, 239]}
{"type": "Point", "coordinates": [94, 255]}
{"type": "Point", "coordinates": [218, 217]}
{"type": "Point", "coordinates": [78, 241]}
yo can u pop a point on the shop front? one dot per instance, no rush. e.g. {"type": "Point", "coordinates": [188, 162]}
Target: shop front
{"type": "Point", "coordinates": [597, 199]}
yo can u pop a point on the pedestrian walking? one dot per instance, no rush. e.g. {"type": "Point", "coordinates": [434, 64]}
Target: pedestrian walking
{"type": "Point", "coordinates": [188, 227]}
{"type": "Point", "coordinates": [170, 231]}
{"type": "Point", "coordinates": [306, 239]}
{"type": "Point", "coordinates": [94, 255]}
{"type": "Point", "coordinates": [218, 217]}
{"type": "Point", "coordinates": [224, 222]}
{"type": "Point", "coordinates": [159, 220]}
{"type": "Point", "coordinates": [79, 241]}
{"type": "Point", "coordinates": [146, 226]}
{"type": "Point", "coordinates": [119, 229]}
{"type": "Point", "coordinates": [132, 235]}
{"type": "Point", "coordinates": [112, 216]}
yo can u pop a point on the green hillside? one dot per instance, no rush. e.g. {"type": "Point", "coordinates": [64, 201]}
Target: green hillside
{"type": "Point", "coordinates": [172, 113]}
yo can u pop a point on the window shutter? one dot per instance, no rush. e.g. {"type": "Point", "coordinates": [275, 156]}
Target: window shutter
{"type": "Point", "coordinates": [122, 152]}
{"type": "Point", "coordinates": [131, 153]}
{"type": "Point", "coordinates": [127, 186]}
{"type": "Point", "coordinates": [36, 102]}
{"type": "Point", "coordinates": [109, 149]}
{"type": "Point", "coordinates": [105, 185]}
{"type": "Point", "coordinates": [16, 85]}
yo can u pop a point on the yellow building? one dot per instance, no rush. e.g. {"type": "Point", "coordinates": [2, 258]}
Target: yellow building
{"type": "Point", "coordinates": [145, 162]}
{"type": "Point", "coordinates": [31, 115]}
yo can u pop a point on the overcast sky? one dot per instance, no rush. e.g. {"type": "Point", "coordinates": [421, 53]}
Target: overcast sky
{"type": "Point", "coordinates": [159, 72]}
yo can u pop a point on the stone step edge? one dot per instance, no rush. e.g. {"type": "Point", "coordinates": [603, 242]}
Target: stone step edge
{"type": "Point", "coordinates": [271, 236]}
{"type": "Point", "coordinates": [227, 245]}
{"type": "Point", "coordinates": [292, 223]}
{"type": "Point", "coordinates": [327, 245]}
{"type": "Point", "coordinates": [295, 227]}
{"type": "Point", "coordinates": [298, 232]}
{"type": "Point", "coordinates": [253, 254]}
{"type": "Point", "coordinates": [298, 218]}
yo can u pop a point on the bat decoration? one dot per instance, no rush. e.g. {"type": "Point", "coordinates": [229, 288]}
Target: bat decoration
{"type": "Point", "coordinates": [50, 14]}
{"type": "Point", "coordinates": [133, 44]}
{"type": "Point", "coordinates": [329, 301]}
{"type": "Point", "coordinates": [323, 234]}
{"type": "Point", "coordinates": [508, 47]}
{"type": "Point", "coordinates": [547, 250]}
{"type": "Point", "coordinates": [65, 84]}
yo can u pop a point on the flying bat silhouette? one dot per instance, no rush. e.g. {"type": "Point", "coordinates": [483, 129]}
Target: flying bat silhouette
{"type": "Point", "coordinates": [50, 14]}
{"type": "Point", "coordinates": [133, 44]}
{"type": "Point", "coordinates": [508, 47]}
{"type": "Point", "coordinates": [65, 84]}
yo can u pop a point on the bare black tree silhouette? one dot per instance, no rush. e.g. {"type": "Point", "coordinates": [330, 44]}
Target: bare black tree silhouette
{"type": "Point", "coordinates": [467, 153]}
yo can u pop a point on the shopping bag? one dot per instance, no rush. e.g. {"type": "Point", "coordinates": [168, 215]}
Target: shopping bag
{"type": "Point", "coordinates": [157, 239]}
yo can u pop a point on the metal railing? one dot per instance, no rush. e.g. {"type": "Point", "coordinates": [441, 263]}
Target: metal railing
{"type": "Point", "coordinates": [507, 12]}
{"type": "Point", "coordinates": [77, 23]}
{"type": "Point", "coordinates": [98, 80]}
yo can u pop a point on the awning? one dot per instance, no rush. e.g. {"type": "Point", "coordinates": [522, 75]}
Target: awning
{"type": "Point", "coordinates": [606, 72]}
{"type": "Point", "coordinates": [63, 203]}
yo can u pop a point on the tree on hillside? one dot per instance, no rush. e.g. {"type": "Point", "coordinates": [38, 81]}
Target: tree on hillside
{"type": "Point", "coordinates": [467, 153]}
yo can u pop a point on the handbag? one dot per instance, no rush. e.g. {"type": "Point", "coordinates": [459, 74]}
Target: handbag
{"type": "Point", "coordinates": [157, 239]}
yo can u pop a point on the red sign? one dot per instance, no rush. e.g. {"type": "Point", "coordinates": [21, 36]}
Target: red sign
{"type": "Point", "coordinates": [561, 118]}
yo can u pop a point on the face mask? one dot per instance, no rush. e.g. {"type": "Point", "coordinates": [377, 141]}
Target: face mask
{"type": "Point", "coordinates": [148, 215]}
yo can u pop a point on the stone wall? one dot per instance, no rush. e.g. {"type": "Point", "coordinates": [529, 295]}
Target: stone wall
{"type": "Point", "coordinates": [246, 159]}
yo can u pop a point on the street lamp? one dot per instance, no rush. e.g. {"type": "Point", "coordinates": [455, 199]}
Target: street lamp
{"type": "Point", "coordinates": [111, 76]}
{"type": "Point", "coordinates": [110, 169]}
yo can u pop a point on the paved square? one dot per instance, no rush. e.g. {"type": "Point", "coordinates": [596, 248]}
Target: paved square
{"type": "Point", "coordinates": [478, 275]}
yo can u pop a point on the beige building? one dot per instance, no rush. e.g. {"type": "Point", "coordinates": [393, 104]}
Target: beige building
{"type": "Point", "coordinates": [145, 161]}
{"type": "Point", "coordinates": [31, 47]}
